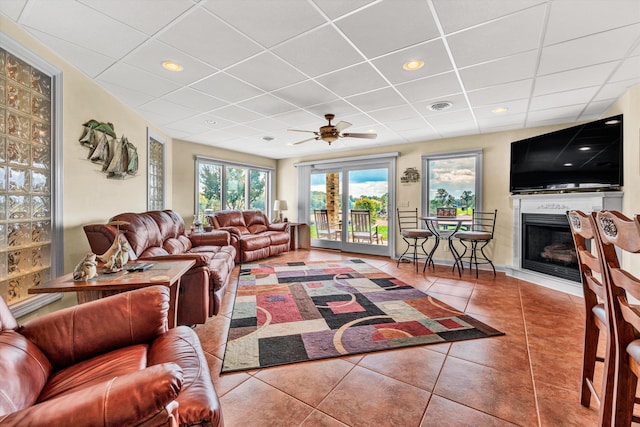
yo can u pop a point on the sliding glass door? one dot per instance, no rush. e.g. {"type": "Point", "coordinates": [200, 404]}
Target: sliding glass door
{"type": "Point", "coordinates": [348, 206]}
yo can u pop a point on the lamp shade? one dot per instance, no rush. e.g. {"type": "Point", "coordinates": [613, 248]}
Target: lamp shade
{"type": "Point", "coordinates": [280, 205]}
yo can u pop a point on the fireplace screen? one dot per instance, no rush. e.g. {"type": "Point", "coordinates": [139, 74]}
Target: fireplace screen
{"type": "Point", "coordinates": [547, 246]}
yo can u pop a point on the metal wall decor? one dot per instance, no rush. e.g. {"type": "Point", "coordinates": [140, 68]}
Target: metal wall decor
{"type": "Point", "coordinates": [410, 175]}
{"type": "Point", "coordinates": [119, 157]}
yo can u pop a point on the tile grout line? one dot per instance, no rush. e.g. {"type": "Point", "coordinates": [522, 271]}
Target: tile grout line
{"type": "Point", "coordinates": [526, 336]}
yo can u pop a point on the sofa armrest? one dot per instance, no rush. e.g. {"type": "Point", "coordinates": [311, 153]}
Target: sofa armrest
{"type": "Point", "coordinates": [73, 334]}
{"type": "Point", "coordinates": [201, 259]}
{"type": "Point", "coordinates": [279, 226]}
{"type": "Point", "coordinates": [100, 237]}
{"type": "Point", "coordinates": [211, 238]}
{"type": "Point", "coordinates": [232, 230]}
{"type": "Point", "coordinates": [139, 398]}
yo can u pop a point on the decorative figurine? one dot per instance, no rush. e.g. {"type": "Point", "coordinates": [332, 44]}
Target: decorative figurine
{"type": "Point", "coordinates": [117, 256]}
{"type": "Point", "coordinates": [87, 268]}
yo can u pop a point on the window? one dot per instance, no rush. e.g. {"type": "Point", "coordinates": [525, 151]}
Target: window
{"type": "Point", "coordinates": [29, 189]}
{"type": "Point", "coordinates": [222, 185]}
{"type": "Point", "coordinates": [452, 180]}
{"type": "Point", "coordinates": [155, 172]}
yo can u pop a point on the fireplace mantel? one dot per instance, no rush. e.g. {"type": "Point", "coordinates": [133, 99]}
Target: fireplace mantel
{"type": "Point", "coordinates": [554, 203]}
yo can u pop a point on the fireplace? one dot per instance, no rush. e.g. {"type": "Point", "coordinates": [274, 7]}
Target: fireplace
{"type": "Point", "coordinates": [545, 258]}
{"type": "Point", "coordinates": [547, 246]}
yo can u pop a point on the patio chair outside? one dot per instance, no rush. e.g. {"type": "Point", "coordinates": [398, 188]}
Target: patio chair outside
{"type": "Point", "coordinates": [361, 228]}
{"type": "Point", "coordinates": [323, 227]}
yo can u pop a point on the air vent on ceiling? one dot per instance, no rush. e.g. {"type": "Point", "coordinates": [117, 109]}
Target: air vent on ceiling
{"type": "Point", "coordinates": [441, 105]}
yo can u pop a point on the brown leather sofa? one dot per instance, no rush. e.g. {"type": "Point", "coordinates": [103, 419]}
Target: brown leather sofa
{"type": "Point", "coordinates": [253, 236]}
{"type": "Point", "coordinates": [161, 235]}
{"type": "Point", "coordinates": [109, 362]}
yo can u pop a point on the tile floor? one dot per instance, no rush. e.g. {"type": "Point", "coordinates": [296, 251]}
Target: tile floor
{"type": "Point", "coordinates": [529, 377]}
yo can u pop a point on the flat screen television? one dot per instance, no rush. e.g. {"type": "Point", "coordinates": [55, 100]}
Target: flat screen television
{"type": "Point", "coordinates": [583, 157]}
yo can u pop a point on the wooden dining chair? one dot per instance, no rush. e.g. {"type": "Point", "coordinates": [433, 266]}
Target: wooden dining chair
{"type": "Point", "coordinates": [617, 232]}
{"type": "Point", "coordinates": [597, 315]}
{"type": "Point", "coordinates": [361, 227]}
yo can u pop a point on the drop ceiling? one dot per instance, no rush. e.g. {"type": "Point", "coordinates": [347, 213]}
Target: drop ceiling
{"type": "Point", "coordinates": [255, 68]}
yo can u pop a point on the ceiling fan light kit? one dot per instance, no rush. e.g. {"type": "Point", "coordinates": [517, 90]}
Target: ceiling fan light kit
{"type": "Point", "coordinates": [330, 133]}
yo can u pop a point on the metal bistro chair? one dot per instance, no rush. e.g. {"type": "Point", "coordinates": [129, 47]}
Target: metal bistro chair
{"type": "Point", "coordinates": [480, 232]}
{"type": "Point", "coordinates": [597, 315]}
{"type": "Point", "coordinates": [361, 228]}
{"type": "Point", "coordinates": [414, 237]}
{"type": "Point", "coordinates": [617, 232]}
{"type": "Point", "coordinates": [323, 227]}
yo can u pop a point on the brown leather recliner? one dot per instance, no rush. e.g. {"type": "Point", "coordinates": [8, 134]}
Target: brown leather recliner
{"type": "Point", "coordinates": [109, 362]}
{"type": "Point", "coordinates": [253, 236]}
{"type": "Point", "coordinates": [161, 235]}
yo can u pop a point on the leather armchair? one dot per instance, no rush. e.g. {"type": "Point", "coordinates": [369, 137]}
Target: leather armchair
{"type": "Point", "coordinates": [110, 362]}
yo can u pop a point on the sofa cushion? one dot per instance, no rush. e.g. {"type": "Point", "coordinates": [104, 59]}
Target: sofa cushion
{"type": "Point", "coordinates": [24, 371]}
{"type": "Point", "coordinates": [95, 370]}
{"type": "Point", "coordinates": [142, 232]}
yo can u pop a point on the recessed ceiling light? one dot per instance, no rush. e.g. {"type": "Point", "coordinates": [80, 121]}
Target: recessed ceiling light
{"type": "Point", "coordinates": [371, 131]}
{"type": "Point", "coordinates": [568, 164]}
{"type": "Point", "coordinates": [500, 110]}
{"type": "Point", "coordinates": [172, 66]}
{"type": "Point", "coordinates": [440, 105]}
{"type": "Point", "coordinates": [612, 122]}
{"type": "Point", "coordinates": [584, 148]}
{"type": "Point", "coordinates": [414, 64]}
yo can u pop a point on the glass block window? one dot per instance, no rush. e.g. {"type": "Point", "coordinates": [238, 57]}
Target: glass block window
{"type": "Point", "coordinates": [25, 177]}
{"type": "Point", "coordinates": [155, 172]}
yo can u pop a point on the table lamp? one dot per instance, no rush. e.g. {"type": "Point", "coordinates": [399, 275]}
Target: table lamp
{"type": "Point", "coordinates": [280, 206]}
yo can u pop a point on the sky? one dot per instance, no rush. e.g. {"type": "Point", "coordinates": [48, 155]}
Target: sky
{"type": "Point", "coordinates": [454, 175]}
{"type": "Point", "coordinates": [370, 182]}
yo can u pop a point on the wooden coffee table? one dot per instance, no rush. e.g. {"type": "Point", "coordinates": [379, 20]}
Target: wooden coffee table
{"type": "Point", "coordinates": [166, 273]}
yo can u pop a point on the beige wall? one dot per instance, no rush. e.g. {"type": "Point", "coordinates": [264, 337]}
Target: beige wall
{"type": "Point", "coordinates": [88, 196]}
{"type": "Point", "coordinates": [184, 177]}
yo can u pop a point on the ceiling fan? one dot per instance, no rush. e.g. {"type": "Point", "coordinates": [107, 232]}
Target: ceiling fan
{"type": "Point", "coordinates": [330, 133]}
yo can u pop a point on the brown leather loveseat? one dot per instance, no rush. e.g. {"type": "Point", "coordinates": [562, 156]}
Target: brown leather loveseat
{"type": "Point", "coordinates": [160, 235]}
{"type": "Point", "coordinates": [109, 362]}
{"type": "Point", "coordinates": [253, 236]}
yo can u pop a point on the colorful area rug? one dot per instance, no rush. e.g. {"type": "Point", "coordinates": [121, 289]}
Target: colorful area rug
{"type": "Point", "coordinates": [297, 311]}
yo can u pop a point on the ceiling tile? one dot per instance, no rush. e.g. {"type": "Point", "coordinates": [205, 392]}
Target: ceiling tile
{"type": "Point", "coordinates": [574, 79]}
{"type": "Point", "coordinates": [236, 114]}
{"type": "Point", "coordinates": [336, 8]}
{"type": "Point", "coordinates": [389, 25]}
{"type": "Point", "coordinates": [168, 109]}
{"type": "Point", "coordinates": [253, 71]}
{"type": "Point", "coordinates": [86, 60]}
{"type": "Point", "coordinates": [585, 51]}
{"type": "Point", "coordinates": [615, 90]}
{"type": "Point", "coordinates": [210, 121]}
{"type": "Point", "coordinates": [267, 105]}
{"type": "Point", "coordinates": [297, 118]}
{"type": "Point", "coordinates": [517, 107]}
{"type": "Point", "coordinates": [382, 98]}
{"type": "Point", "coordinates": [407, 124]}
{"type": "Point", "coordinates": [151, 56]}
{"type": "Point", "coordinates": [458, 102]}
{"type": "Point", "coordinates": [629, 69]}
{"type": "Point", "coordinates": [455, 15]}
{"type": "Point", "coordinates": [188, 97]}
{"type": "Point", "coordinates": [570, 97]}
{"type": "Point", "coordinates": [338, 107]}
{"type": "Point", "coordinates": [431, 87]}
{"type": "Point", "coordinates": [12, 9]}
{"type": "Point", "coordinates": [189, 127]}
{"type": "Point", "coordinates": [267, 125]}
{"type": "Point", "coordinates": [498, 124]}
{"type": "Point", "coordinates": [226, 87]}
{"type": "Point", "coordinates": [497, 39]}
{"type": "Point", "coordinates": [143, 15]}
{"type": "Point", "coordinates": [97, 31]}
{"type": "Point", "coordinates": [510, 69]}
{"type": "Point", "coordinates": [500, 93]}
{"type": "Point", "coordinates": [596, 109]}
{"type": "Point", "coordinates": [553, 116]}
{"type": "Point", "coordinates": [393, 114]}
{"type": "Point", "coordinates": [133, 78]}
{"type": "Point", "coordinates": [305, 93]}
{"type": "Point", "coordinates": [318, 52]}
{"type": "Point", "coordinates": [350, 81]}
{"type": "Point", "coordinates": [200, 35]}
{"type": "Point", "coordinates": [570, 19]}
{"type": "Point", "coordinates": [268, 22]}
{"type": "Point", "coordinates": [433, 54]}
{"type": "Point", "coordinates": [445, 118]}
{"type": "Point", "coordinates": [131, 97]}
{"type": "Point", "coordinates": [242, 131]}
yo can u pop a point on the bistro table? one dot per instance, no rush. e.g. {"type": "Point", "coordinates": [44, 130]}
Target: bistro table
{"type": "Point", "coordinates": [166, 273]}
{"type": "Point", "coordinates": [446, 228]}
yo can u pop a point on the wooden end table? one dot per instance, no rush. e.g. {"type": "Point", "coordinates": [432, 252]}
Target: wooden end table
{"type": "Point", "coordinates": [165, 273]}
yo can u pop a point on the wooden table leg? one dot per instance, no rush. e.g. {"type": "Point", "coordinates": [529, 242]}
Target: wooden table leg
{"type": "Point", "coordinates": [174, 291]}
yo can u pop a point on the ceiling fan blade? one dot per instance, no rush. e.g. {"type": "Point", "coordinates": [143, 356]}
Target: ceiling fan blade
{"type": "Point", "coordinates": [342, 126]}
{"type": "Point", "coordinates": [360, 135]}
{"type": "Point", "coordinates": [298, 130]}
{"type": "Point", "coordinates": [305, 140]}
